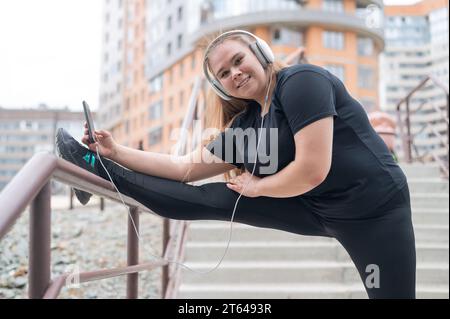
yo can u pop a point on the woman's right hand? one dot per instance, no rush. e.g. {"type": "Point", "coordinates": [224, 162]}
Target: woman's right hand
{"type": "Point", "coordinates": [107, 147]}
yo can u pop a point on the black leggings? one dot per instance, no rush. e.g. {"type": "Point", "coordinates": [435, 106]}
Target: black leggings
{"type": "Point", "coordinates": [386, 240]}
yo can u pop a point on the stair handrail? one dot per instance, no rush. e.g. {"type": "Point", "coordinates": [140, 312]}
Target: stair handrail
{"type": "Point", "coordinates": [407, 137]}
{"type": "Point", "coordinates": [171, 279]}
{"type": "Point", "coordinates": [31, 186]}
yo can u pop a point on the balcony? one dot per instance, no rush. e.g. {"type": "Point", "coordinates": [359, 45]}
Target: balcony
{"type": "Point", "coordinates": [227, 15]}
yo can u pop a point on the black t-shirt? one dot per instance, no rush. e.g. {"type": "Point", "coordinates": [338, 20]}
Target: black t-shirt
{"type": "Point", "coordinates": [363, 174]}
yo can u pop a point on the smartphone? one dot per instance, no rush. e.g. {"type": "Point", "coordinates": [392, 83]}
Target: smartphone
{"type": "Point", "coordinates": [89, 121]}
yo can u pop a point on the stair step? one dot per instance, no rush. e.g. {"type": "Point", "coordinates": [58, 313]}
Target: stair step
{"type": "Point", "coordinates": [430, 216]}
{"type": "Point", "coordinates": [294, 291]}
{"type": "Point", "coordinates": [260, 251]}
{"type": "Point", "coordinates": [219, 231]}
{"type": "Point", "coordinates": [420, 170]}
{"type": "Point", "coordinates": [301, 272]}
{"type": "Point", "coordinates": [437, 185]}
{"type": "Point", "coordinates": [429, 200]}
{"type": "Point", "coordinates": [294, 251]}
{"type": "Point", "coordinates": [431, 233]}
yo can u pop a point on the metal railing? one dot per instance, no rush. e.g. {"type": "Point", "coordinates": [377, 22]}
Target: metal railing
{"type": "Point", "coordinates": [31, 186]}
{"type": "Point", "coordinates": [171, 276]}
{"type": "Point", "coordinates": [409, 139]}
{"type": "Point", "coordinates": [296, 57]}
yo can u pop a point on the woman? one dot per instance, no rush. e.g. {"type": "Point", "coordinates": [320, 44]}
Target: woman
{"type": "Point", "coordinates": [328, 174]}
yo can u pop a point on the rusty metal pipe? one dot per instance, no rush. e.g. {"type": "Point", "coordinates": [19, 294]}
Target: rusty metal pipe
{"type": "Point", "coordinates": [40, 244]}
{"type": "Point", "coordinates": [133, 253]}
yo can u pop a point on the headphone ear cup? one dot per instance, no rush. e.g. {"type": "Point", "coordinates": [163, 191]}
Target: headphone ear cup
{"type": "Point", "coordinates": [266, 51]}
{"type": "Point", "coordinates": [220, 90]}
{"type": "Point", "coordinates": [263, 52]}
{"type": "Point", "coordinates": [259, 55]}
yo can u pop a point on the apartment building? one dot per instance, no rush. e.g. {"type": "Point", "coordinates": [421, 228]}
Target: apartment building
{"type": "Point", "coordinates": [24, 132]}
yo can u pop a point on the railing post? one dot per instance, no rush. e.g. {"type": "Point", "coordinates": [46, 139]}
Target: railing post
{"type": "Point", "coordinates": [165, 269]}
{"type": "Point", "coordinates": [40, 243]}
{"type": "Point", "coordinates": [448, 128]}
{"type": "Point", "coordinates": [408, 133]}
{"type": "Point", "coordinates": [71, 198]}
{"type": "Point", "coordinates": [133, 253]}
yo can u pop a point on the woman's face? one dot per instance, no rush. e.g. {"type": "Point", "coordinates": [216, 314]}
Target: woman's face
{"type": "Point", "coordinates": [238, 70]}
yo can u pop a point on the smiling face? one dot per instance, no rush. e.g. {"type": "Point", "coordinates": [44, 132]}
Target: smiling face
{"type": "Point", "coordinates": [238, 70]}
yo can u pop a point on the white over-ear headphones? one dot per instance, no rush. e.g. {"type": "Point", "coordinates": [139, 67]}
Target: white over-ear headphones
{"type": "Point", "coordinates": [260, 48]}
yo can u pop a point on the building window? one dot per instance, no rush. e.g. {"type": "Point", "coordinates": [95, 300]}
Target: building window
{"type": "Point", "coordinates": [365, 77]}
{"type": "Point", "coordinates": [169, 23]}
{"type": "Point", "coordinates": [276, 35]}
{"type": "Point", "coordinates": [171, 76]}
{"type": "Point", "coordinates": [155, 111]}
{"type": "Point", "coordinates": [333, 40]}
{"type": "Point", "coordinates": [169, 48]}
{"type": "Point", "coordinates": [337, 70]}
{"type": "Point", "coordinates": [333, 5]}
{"type": "Point", "coordinates": [181, 69]}
{"type": "Point", "coordinates": [180, 41]}
{"type": "Point", "coordinates": [193, 62]}
{"type": "Point", "coordinates": [155, 136]}
{"type": "Point", "coordinates": [180, 13]}
{"type": "Point", "coordinates": [365, 46]}
{"type": "Point", "coordinates": [368, 104]}
{"type": "Point", "coordinates": [156, 84]}
{"type": "Point", "coordinates": [130, 57]}
{"type": "Point", "coordinates": [181, 98]}
{"type": "Point", "coordinates": [285, 36]}
{"type": "Point", "coordinates": [170, 104]}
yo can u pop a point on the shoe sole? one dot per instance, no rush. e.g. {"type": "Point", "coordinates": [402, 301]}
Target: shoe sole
{"type": "Point", "coordinates": [82, 196]}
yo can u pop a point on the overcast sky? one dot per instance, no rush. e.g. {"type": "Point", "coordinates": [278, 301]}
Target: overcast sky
{"type": "Point", "coordinates": [50, 52]}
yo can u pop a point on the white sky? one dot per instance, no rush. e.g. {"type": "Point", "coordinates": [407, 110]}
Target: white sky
{"type": "Point", "coordinates": [50, 52]}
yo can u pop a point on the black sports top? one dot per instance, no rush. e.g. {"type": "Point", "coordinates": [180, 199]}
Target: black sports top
{"type": "Point", "coordinates": [363, 174]}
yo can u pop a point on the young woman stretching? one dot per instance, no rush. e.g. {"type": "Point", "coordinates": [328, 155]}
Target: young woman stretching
{"type": "Point", "coordinates": [327, 174]}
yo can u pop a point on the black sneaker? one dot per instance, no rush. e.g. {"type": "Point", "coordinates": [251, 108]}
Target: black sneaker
{"type": "Point", "coordinates": [72, 151]}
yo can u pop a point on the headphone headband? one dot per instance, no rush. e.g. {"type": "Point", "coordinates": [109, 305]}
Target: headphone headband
{"type": "Point", "coordinates": [260, 48]}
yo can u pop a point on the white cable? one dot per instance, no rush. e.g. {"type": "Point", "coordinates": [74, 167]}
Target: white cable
{"type": "Point", "coordinates": [234, 209]}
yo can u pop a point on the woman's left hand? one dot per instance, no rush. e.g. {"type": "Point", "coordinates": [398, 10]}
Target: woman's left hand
{"type": "Point", "coordinates": [245, 181]}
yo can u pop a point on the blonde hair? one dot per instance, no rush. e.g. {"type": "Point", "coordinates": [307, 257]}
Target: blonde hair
{"type": "Point", "coordinates": [220, 113]}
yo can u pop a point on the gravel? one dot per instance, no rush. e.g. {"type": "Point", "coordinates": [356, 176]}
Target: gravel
{"type": "Point", "coordinates": [84, 239]}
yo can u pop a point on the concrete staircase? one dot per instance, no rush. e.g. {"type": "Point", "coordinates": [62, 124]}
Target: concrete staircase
{"type": "Point", "coordinates": [265, 263]}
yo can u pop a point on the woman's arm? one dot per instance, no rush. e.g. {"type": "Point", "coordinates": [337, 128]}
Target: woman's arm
{"type": "Point", "coordinates": [313, 149]}
{"type": "Point", "coordinates": [197, 165]}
